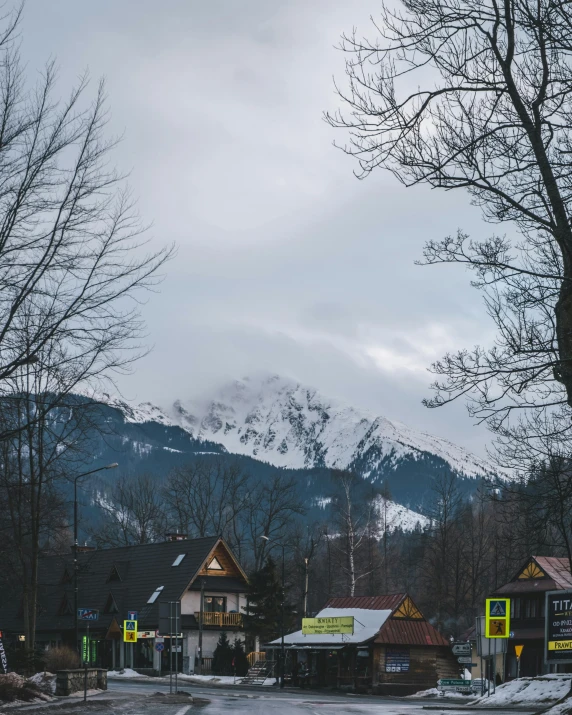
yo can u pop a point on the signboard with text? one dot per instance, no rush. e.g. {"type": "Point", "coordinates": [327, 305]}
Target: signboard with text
{"type": "Point", "coordinates": [397, 660]}
{"type": "Point", "coordinates": [324, 626]}
{"type": "Point", "coordinates": [558, 628]}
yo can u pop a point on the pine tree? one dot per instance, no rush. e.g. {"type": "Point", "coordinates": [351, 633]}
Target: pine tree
{"type": "Point", "coordinates": [239, 660]}
{"type": "Point", "coordinates": [263, 612]}
{"type": "Point", "coordinates": [223, 655]}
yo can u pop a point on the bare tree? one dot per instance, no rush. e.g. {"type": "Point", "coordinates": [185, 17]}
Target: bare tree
{"type": "Point", "coordinates": [205, 498]}
{"type": "Point", "coordinates": [478, 96]}
{"type": "Point", "coordinates": [132, 514]}
{"type": "Point", "coordinates": [73, 266]}
{"type": "Point", "coordinates": [356, 517]}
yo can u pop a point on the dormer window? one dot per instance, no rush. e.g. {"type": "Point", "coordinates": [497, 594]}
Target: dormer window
{"type": "Point", "coordinates": [155, 594]}
{"type": "Point", "coordinates": [114, 575]}
{"type": "Point", "coordinates": [178, 560]}
{"type": "Point", "coordinates": [110, 605]}
{"type": "Point", "coordinates": [215, 565]}
{"type": "Point", "coordinates": [65, 608]}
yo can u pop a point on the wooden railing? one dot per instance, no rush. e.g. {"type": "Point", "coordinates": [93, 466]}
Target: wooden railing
{"type": "Point", "coordinates": [221, 619]}
{"type": "Point", "coordinates": [255, 657]}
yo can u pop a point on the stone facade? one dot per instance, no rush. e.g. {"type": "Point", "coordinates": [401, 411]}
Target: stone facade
{"type": "Point", "coordinates": [73, 681]}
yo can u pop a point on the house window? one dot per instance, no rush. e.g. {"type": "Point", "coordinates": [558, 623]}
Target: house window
{"type": "Point", "coordinates": [66, 578]}
{"type": "Point", "coordinates": [178, 560]}
{"type": "Point", "coordinates": [531, 608]}
{"type": "Point", "coordinates": [515, 608]}
{"type": "Point", "coordinates": [215, 565]}
{"type": "Point", "coordinates": [215, 604]}
{"type": "Point", "coordinates": [155, 595]}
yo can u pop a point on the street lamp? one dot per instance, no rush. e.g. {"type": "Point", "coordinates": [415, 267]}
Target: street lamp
{"type": "Point", "coordinates": [282, 654]}
{"type": "Point", "coordinates": [75, 545]}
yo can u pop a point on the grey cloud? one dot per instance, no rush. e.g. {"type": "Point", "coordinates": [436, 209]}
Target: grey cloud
{"type": "Point", "coordinates": [286, 262]}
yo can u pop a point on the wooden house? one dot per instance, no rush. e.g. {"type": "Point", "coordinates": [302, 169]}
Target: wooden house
{"type": "Point", "coordinates": [393, 650]}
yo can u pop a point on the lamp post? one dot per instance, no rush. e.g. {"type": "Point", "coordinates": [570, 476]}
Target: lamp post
{"type": "Point", "coordinates": [282, 652]}
{"type": "Point", "coordinates": [75, 545]}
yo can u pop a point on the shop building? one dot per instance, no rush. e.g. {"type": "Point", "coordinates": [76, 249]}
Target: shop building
{"type": "Point", "coordinates": [137, 578]}
{"type": "Point", "coordinates": [393, 650]}
{"type": "Point", "coordinates": [526, 591]}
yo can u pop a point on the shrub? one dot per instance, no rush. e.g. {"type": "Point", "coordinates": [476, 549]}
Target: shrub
{"type": "Point", "coordinates": [222, 657]}
{"type": "Point", "coordinates": [61, 658]}
{"type": "Point", "coordinates": [14, 687]}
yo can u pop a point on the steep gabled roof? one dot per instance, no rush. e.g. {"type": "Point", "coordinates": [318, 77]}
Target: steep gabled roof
{"type": "Point", "coordinates": [143, 568]}
{"type": "Point", "coordinates": [389, 619]}
{"type": "Point", "coordinates": [539, 573]}
{"type": "Point", "coordinates": [370, 603]}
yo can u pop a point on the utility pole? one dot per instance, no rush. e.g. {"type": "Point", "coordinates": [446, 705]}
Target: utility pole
{"type": "Point", "coordinates": [75, 547]}
{"type": "Point", "coordinates": [306, 588]}
{"type": "Point", "coordinates": [200, 663]}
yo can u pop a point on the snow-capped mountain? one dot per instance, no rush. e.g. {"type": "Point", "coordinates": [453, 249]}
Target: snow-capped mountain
{"type": "Point", "coordinates": [289, 425]}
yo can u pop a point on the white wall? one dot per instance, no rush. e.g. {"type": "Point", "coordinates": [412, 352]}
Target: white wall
{"type": "Point", "coordinates": [210, 639]}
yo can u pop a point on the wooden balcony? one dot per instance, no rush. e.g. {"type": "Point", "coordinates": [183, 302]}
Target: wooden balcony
{"type": "Point", "coordinates": [222, 620]}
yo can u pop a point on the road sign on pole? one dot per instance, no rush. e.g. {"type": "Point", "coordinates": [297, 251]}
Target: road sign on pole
{"type": "Point", "coordinates": [464, 659]}
{"type": "Point", "coordinates": [132, 615]}
{"type": "Point", "coordinates": [130, 631]}
{"type": "Point", "coordinates": [497, 618]}
{"type": "Point", "coordinates": [461, 648]}
{"type": "Point", "coordinates": [87, 614]}
{"type": "Point", "coordinates": [159, 647]}
{"type": "Point", "coordinates": [518, 650]}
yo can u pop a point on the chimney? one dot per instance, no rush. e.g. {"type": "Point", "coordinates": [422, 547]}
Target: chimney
{"type": "Point", "coordinates": [175, 536]}
{"type": "Point", "coordinates": [82, 549]}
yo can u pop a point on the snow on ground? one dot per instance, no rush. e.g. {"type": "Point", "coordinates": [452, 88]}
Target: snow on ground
{"type": "Point", "coordinates": [126, 673]}
{"type": "Point", "coordinates": [213, 679]}
{"type": "Point", "coordinates": [542, 689]}
{"type": "Point", "coordinates": [44, 680]}
{"type": "Point", "coordinates": [564, 708]}
{"type": "Point", "coordinates": [436, 693]}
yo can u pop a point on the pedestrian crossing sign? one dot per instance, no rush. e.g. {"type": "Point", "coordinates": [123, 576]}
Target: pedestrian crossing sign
{"type": "Point", "coordinates": [130, 631]}
{"type": "Point", "coordinates": [497, 618]}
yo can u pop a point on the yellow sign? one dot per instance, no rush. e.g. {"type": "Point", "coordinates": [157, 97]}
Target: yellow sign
{"type": "Point", "coordinates": [518, 650]}
{"type": "Point", "coordinates": [559, 645]}
{"type": "Point", "coordinates": [325, 626]}
{"type": "Point", "coordinates": [497, 618]}
{"type": "Point", "coordinates": [130, 631]}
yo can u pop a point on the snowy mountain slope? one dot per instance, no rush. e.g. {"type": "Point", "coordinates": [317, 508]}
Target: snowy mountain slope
{"type": "Point", "coordinates": [289, 425]}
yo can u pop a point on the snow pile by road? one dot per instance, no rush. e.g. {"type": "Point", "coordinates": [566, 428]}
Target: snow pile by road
{"type": "Point", "coordinates": [543, 689]}
{"type": "Point", "coordinates": [436, 693]}
{"type": "Point", "coordinates": [45, 681]}
{"type": "Point", "coordinates": [126, 673]}
{"type": "Point", "coordinates": [564, 708]}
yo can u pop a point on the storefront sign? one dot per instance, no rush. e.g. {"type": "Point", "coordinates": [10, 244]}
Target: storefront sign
{"type": "Point", "coordinates": [558, 639]}
{"type": "Point", "coordinates": [324, 626]}
{"type": "Point", "coordinates": [396, 661]}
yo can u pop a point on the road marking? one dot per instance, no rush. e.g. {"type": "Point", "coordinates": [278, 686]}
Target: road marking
{"type": "Point", "coordinates": [182, 711]}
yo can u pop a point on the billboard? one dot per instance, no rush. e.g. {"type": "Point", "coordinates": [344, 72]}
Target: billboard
{"type": "Point", "coordinates": [325, 626]}
{"type": "Point", "coordinates": [558, 627]}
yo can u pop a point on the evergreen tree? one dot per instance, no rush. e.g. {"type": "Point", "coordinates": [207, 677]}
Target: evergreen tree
{"type": "Point", "coordinates": [263, 612]}
{"type": "Point", "coordinates": [239, 659]}
{"type": "Point", "coordinates": [223, 655]}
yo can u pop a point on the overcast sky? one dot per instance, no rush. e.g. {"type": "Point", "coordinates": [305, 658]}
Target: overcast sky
{"type": "Point", "coordinates": [286, 262]}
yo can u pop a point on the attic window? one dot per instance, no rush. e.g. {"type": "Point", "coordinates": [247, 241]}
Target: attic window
{"type": "Point", "coordinates": [65, 608]}
{"type": "Point", "coordinates": [110, 605]}
{"type": "Point", "coordinates": [155, 594]}
{"type": "Point", "coordinates": [114, 575]}
{"type": "Point", "coordinates": [215, 565]}
{"type": "Point", "coordinates": [66, 578]}
{"type": "Point", "coordinates": [178, 560]}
